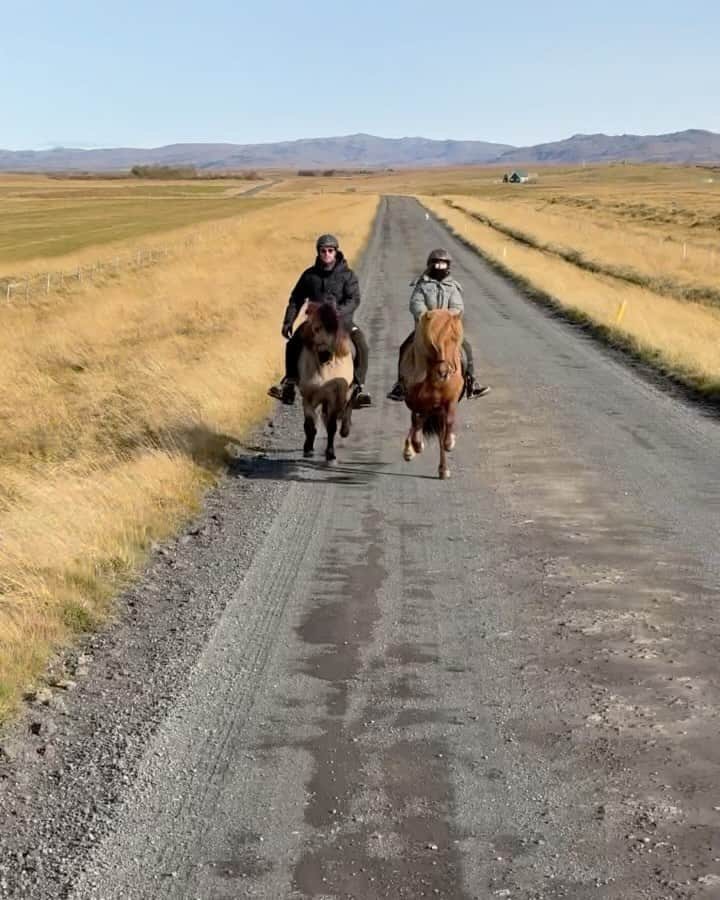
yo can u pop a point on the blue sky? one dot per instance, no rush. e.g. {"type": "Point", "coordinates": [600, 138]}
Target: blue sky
{"type": "Point", "coordinates": [153, 73]}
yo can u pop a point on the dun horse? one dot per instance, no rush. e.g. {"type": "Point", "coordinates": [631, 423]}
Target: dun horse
{"type": "Point", "coordinates": [326, 373]}
{"type": "Point", "coordinates": [431, 369]}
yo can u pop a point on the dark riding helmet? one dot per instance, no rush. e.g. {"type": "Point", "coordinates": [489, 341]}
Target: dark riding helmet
{"type": "Point", "coordinates": [438, 255]}
{"type": "Point", "coordinates": [327, 240]}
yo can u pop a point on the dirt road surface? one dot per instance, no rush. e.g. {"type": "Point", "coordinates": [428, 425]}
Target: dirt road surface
{"type": "Point", "coordinates": [363, 682]}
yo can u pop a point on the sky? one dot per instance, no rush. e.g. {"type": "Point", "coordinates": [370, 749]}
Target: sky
{"type": "Point", "coordinates": [150, 73]}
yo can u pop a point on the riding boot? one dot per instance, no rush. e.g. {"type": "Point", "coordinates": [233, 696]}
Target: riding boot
{"type": "Point", "coordinates": [473, 388]}
{"type": "Point", "coordinates": [285, 391]}
{"type": "Point", "coordinates": [360, 397]}
{"type": "Point", "coordinates": [396, 392]}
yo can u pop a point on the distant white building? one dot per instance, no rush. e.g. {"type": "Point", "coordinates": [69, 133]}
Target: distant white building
{"type": "Point", "coordinates": [516, 177]}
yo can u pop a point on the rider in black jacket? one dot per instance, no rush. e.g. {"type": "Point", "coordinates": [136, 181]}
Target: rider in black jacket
{"type": "Point", "coordinates": [330, 274]}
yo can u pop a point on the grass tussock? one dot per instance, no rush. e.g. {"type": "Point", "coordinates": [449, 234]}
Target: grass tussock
{"type": "Point", "coordinates": [118, 402]}
{"type": "Point", "coordinates": [678, 338]}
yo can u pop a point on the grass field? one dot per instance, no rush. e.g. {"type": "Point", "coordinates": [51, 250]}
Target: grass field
{"type": "Point", "coordinates": [118, 401]}
{"type": "Point", "coordinates": [43, 219]}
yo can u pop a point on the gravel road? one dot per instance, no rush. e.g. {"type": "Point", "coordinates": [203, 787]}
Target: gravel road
{"type": "Point", "coordinates": [362, 682]}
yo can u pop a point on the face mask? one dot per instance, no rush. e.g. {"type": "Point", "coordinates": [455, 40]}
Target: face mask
{"type": "Point", "coordinates": [439, 272]}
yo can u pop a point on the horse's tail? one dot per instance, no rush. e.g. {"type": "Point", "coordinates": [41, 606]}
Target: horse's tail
{"type": "Point", "coordinates": [433, 424]}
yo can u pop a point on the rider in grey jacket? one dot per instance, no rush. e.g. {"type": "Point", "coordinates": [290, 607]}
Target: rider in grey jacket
{"type": "Point", "coordinates": [437, 289]}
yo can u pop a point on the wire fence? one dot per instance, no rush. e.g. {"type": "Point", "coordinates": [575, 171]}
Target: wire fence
{"type": "Point", "coordinates": [25, 288]}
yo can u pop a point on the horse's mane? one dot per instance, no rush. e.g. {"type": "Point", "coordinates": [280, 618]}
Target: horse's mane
{"type": "Point", "coordinates": [440, 327]}
{"type": "Point", "coordinates": [325, 311]}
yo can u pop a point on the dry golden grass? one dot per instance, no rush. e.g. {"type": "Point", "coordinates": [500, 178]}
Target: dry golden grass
{"type": "Point", "coordinates": [44, 221]}
{"type": "Point", "coordinates": [640, 255]}
{"type": "Point", "coordinates": [677, 203]}
{"type": "Point", "coordinates": [118, 401]}
{"type": "Point", "coordinates": [682, 337]}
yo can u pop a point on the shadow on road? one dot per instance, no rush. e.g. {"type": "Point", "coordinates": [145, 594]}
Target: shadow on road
{"type": "Point", "coordinates": [275, 468]}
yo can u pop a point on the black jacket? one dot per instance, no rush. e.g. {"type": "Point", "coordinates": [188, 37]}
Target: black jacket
{"type": "Point", "coordinates": [340, 281]}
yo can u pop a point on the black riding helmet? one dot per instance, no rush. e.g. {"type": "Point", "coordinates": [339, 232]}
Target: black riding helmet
{"type": "Point", "coordinates": [327, 240]}
{"type": "Point", "coordinates": [438, 255]}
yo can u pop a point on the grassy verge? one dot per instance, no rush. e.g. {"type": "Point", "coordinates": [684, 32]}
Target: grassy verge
{"type": "Point", "coordinates": [118, 401]}
{"type": "Point", "coordinates": [667, 284]}
{"type": "Point", "coordinates": [679, 339]}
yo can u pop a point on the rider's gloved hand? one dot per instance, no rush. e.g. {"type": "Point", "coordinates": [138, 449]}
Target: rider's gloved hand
{"type": "Point", "coordinates": [288, 319]}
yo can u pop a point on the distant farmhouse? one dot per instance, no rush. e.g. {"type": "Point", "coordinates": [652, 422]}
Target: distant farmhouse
{"type": "Point", "coordinates": [516, 177]}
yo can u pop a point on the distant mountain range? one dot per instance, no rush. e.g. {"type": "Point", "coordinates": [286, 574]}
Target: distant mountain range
{"type": "Point", "coordinates": [368, 151]}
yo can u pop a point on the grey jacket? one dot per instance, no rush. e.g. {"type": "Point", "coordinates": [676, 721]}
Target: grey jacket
{"type": "Point", "coordinates": [431, 294]}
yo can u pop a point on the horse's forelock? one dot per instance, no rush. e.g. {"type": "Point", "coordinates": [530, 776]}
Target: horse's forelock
{"type": "Point", "coordinates": [328, 317]}
{"type": "Point", "coordinates": [440, 328]}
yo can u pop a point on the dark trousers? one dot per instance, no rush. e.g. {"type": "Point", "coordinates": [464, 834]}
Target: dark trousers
{"type": "Point", "coordinates": [467, 353]}
{"type": "Point", "coordinates": [294, 346]}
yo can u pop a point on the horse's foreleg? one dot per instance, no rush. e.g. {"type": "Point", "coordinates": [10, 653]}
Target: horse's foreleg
{"type": "Point", "coordinates": [346, 420]}
{"type": "Point", "coordinates": [450, 428]}
{"type": "Point", "coordinates": [413, 441]}
{"type": "Point", "coordinates": [331, 425]}
{"type": "Point", "coordinates": [408, 452]}
{"type": "Point", "coordinates": [310, 431]}
{"type": "Point", "coordinates": [444, 435]}
{"type": "Point", "coordinates": [417, 432]}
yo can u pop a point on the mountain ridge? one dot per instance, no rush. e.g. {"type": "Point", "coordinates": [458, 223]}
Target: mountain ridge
{"type": "Point", "coordinates": [370, 151]}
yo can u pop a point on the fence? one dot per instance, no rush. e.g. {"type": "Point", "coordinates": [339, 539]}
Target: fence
{"type": "Point", "coordinates": [29, 286]}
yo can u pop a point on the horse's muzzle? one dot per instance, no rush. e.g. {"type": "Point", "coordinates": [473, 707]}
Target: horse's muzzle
{"type": "Point", "coordinates": [442, 372]}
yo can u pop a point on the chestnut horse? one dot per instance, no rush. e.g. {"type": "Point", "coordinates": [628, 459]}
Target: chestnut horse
{"type": "Point", "coordinates": [431, 370]}
{"type": "Point", "coordinates": [326, 373]}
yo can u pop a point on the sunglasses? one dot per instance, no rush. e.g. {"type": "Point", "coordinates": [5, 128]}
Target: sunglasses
{"type": "Point", "coordinates": [328, 249]}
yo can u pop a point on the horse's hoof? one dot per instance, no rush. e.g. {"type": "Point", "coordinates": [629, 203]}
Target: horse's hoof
{"type": "Point", "coordinates": [444, 473]}
{"type": "Point", "coordinates": [344, 431]}
{"type": "Point", "coordinates": [307, 454]}
{"type": "Point", "coordinates": [450, 445]}
{"type": "Point", "coordinates": [408, 453]}
{"type": "Point", "coordinates": [418, 446]}
{"type": "Point", "coordinates": [331, 460]}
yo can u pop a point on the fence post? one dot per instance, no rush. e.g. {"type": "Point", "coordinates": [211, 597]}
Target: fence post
{"type": "Point", "coordinates": [47, 284]}
{"type": "Point", "coordinates": [27, 288]}
{"type": "Point", "coordinates": [79, 273]}
{"type": "Point", "coordinates": [8, 292]}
